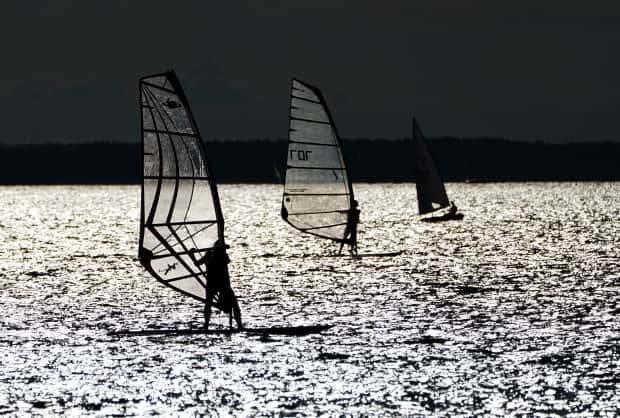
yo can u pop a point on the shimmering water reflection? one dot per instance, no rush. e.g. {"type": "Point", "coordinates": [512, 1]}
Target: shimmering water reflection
{"type": "Point", "coordinates": [514, 310]}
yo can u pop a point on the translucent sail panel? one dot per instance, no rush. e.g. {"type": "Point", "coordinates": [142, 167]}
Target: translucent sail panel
{"type": "Point", "coordinates": [317, 190]}
{"type": "Point", "coordinates": [181, 218]}
{"type": "Point", "coordinates": [431, 192]}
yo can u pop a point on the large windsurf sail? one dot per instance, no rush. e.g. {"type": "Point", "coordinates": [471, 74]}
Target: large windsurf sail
{"type": "Point", "coordinates": [431, 191]}
{"type": "Point", "coordinates": [181, 218]}
{"type": "Point", "coordinates": [317, 190]}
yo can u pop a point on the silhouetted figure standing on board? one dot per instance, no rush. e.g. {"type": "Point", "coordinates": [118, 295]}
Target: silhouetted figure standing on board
{"type": "Point", "coordinates": [219, 292]}
{"type": "Point", "coordinates": [350, 232]}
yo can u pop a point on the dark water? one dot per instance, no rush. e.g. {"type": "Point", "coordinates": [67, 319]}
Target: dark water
{"type": "Point", "coordinates": [515, 310]}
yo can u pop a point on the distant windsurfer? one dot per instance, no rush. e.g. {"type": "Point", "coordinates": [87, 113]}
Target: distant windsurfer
{"type": "Point", "coordinates": [350, 232]}
{"type": "Point", "coordinates": [219, 292]}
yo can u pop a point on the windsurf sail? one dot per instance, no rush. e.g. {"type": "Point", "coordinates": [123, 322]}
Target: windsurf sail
{"type": "Point", "coordinates": [431, 191]}
{"type": "Point", "coordinates": [181, 218]}
{"type": "Point", "coordinates": [317, 190]}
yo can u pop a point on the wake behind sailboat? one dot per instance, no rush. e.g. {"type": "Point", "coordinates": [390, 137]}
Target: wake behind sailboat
{"type": "Point", "coordinates": [432, 194]}
{"type": "Point", "coordinates": [318, 194]}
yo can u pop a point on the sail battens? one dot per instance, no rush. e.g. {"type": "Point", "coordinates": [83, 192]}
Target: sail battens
{"type": "Point", "coordinates": [175, 177]}
{"type": "Point", "coordinates": [317, 193]}
{"type": "Point", "coordinates": [306, 99]}
{"type": "Point", "coordinates": [176, 279]}
{"type": "Point", "coordinates": [177, 254]}
{"type": "Point", "coordinates": [155, 86]}
{"type": "Point", "coordinates": [292, 141]}
{"type": "Point", "coordinates": [301, 167]}
{"type": "Point", "coordinates": [164, 132]}
{"type": "Point", "coordinates": [311, 120]}
{"type": "Point", "coordinates": [180, 205]}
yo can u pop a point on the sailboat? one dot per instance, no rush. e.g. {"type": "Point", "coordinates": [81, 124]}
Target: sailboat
{"type": "Point", "coordinates": [432, 194]}
{"type": "Point", "coordinates": [318, 195]}
{"type": "Point", "coordinates": [181, 217]}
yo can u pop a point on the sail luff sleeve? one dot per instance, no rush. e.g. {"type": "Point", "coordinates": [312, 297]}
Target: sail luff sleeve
{"type": "Point", "coordinates": [317, 192]}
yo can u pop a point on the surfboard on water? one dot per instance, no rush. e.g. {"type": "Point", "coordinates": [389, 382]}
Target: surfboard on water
{"type": "Point", "coordinates": [431, 191]}
{"type": "Point", "coordinates": [297, 331]}
{"type": "Point", "coordinates": [360, 255]}
{"type": "Point", "coordinates": [318, 194]}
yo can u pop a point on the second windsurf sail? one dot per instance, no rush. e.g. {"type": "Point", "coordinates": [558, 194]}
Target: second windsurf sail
{"type": "Point", "coordinates": [318, 194]}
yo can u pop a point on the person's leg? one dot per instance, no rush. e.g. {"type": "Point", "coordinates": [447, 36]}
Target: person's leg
{"type": "Point", "coordinates": [207, 308]}
{"type": "Point", "coordinates": [207, 313]}
{"type": "Point", "coordinates": [236, 311]}
{"type": "Point", "coordinates": [354, 243]}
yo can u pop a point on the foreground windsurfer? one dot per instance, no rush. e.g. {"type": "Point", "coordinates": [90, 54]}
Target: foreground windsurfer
{"type": "Point", "coordinates": [350, 232]}
{"type": "Point", "coordinates": [218, 285]}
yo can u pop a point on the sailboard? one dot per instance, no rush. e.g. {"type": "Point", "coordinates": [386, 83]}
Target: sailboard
{"type": "Point", "coordinates": [318, 193]}
{"type": "Point", "coordinates": [431, 191]}
{"type": "Point", "coordinates": [295, 331]}
{"type": "Point", "coordinates": [180, 218]}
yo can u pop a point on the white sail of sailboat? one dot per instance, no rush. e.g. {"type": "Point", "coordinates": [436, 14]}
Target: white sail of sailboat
{"type": "Point", "coordinates": [432, 194]}
{"type": "Point", "coordinates": [181, 218]}
{"type": "Point", "coordinates": [318, 195]}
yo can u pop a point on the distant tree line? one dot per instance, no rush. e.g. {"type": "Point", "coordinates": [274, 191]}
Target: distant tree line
{"type": "Point", "coordinates": [263, 161]}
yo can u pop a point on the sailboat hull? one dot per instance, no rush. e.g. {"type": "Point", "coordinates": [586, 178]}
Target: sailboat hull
{"type": "Point", "coordinates": [443, 218]}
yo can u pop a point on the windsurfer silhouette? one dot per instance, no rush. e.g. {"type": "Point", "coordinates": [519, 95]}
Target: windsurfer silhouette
{"type": "Point", "coordinates": [218, 284]}
{"type": "Point", "coordinates": [350, 232]}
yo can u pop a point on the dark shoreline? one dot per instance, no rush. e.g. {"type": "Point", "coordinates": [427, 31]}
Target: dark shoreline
{"type": "Point", "coordinates": [478, 160]}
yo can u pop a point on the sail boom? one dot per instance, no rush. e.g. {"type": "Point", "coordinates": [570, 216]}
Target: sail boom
{"type": "Point", "coordinates": [317, 194]}
{"type": "Point", "coordinates": [209, 222]}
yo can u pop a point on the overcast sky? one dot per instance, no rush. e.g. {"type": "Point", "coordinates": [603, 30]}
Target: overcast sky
{"type": "Point", "coordinates": [518, 69]}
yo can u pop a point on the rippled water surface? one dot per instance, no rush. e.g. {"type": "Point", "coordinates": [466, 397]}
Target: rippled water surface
{"type": "Point", "coordinates": [514, 310]}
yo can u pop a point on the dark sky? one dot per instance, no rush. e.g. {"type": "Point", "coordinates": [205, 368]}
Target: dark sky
{"type": "Point", "coordinates": [526, 69]}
